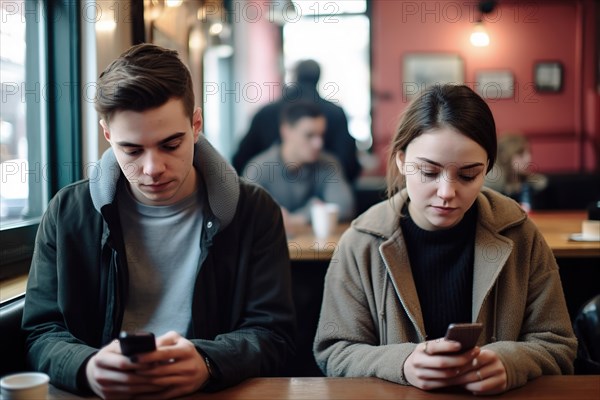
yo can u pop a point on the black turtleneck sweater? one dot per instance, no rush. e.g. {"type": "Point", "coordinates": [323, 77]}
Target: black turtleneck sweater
{"type": "Point", "coordinates": [442, 267]}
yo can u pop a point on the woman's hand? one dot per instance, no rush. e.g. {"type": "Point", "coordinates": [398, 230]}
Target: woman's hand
{"type": "Point", "coordinates": [430, 366]}
{"type": "Point", "coordinates": [485, 375]}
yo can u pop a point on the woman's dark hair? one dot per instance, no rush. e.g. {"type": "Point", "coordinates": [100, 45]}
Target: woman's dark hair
{"type": "Point", "coordinates": [443, 106]}
{"type": "Point", "coordinates": [144, 77]}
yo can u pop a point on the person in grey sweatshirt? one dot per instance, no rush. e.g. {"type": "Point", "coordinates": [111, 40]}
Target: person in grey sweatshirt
{"type": "Point", "coordinates": [297, 173]}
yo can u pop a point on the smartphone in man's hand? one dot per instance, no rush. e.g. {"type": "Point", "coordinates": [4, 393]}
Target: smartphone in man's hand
{"type": "Point", "coordinates": [133, 343]}
{"type": "Point", "coordinates": [466, 334]}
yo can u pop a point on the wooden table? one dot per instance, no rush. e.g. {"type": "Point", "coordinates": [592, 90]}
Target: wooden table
{"type": "Point", "coordinates": [543, 388]}
{"type": "Point", "coordinates": [555, 226]}
{"type": "Point", "coordinates": [304, 246]}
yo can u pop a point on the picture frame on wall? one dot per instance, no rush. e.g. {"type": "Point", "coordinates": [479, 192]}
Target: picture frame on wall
{"type": "Point", "coordinates": [422, 70]}
{"type": "Point", "coordinates": [548, 76]}
{"type": "Point", "coordinates": [495, 84]}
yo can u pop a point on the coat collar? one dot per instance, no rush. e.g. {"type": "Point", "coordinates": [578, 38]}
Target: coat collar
{"type": "Point", "coordinates": [496, 213]}
{"type": "Point", "coordinates": [219, 177]}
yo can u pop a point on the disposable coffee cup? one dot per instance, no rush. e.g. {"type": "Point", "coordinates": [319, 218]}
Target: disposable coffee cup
{"type": "Point", "coordinates": [324, 219]}
{"type": "Point", "coordinates": [24, 386]}
{"type": "Point", "coordinates": [590, 230]}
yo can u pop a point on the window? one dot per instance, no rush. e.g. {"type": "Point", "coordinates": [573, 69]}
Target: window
{"type": "Point", "coordinates": [336, 34]}
{"type": "Point", "coordinates": [23, 189]}
{"type": "Point", "coordinates": [40, 119]}
{"type": "Point", "coordinates": [22, 192]}
{"type": "Point", "coordinates": [330, 7]}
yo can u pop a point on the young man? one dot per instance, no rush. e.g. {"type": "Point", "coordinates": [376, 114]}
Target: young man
{"type": "Point", "coordinates": [166, 238]}
{"type": "Point", "coordinates": [264, 128]}
{"type": "Point", "coordinates": [298, 173]}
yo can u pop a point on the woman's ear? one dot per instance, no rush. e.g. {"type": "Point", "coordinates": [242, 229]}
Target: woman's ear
{"type": "Point", "coordinates": [400, 156]}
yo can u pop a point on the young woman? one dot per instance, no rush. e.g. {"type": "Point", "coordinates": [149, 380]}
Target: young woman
{"type": "Point", "coordinates": [513, 175]}
{"type": "Point", "coordinates": [444, 250]}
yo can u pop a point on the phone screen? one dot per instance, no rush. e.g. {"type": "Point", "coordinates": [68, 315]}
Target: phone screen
{"type": "Point", "coordinates": [136, 343]}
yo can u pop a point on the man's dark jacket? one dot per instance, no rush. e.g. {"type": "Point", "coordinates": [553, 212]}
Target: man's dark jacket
{"type": "Point", "coordinates": [242, 311]}
{"type": "Point", "coordinates": [264, 130]}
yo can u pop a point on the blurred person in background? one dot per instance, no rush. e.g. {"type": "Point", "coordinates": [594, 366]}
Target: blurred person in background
{"type": "Point", "coordinates": [264, 129]}
{"type": "Point", "coordinates": [297, 173]}
{"type": "Point", "coordinates": [513, 174]}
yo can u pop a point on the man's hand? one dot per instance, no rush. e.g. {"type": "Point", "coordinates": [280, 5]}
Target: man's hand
{"type": "Point", "coordinates": [112, 375]}
{"type": "Point", "coordinates": [174, 369]}
{"type": "Point", "coordinates": [292, 223]}
{"type": "Point", "coordinates": [177, 367]}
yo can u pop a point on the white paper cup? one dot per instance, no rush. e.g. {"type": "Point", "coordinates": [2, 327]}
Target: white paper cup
{"type": "Point", "coordinates": [590, 230]}
{"type": "Point", "coordinates": [25, 386]}
{"type": "Point", "coordinates": [324, 219]}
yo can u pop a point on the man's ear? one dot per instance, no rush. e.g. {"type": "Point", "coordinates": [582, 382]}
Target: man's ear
{"type": "Point", "coordinates": [105, 129]}
{"type": "Point", "coordinates": [197, 123]}
{"type": "Point", "coordinates": [285, 130]}
{"type": "Point", "coordinates": [400, 157]}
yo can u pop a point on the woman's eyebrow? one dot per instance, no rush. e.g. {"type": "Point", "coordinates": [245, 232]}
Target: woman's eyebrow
{"type": "Point", "coordinates": [430, 161]}
{"type": "Point", "coordinates": [472, 165]}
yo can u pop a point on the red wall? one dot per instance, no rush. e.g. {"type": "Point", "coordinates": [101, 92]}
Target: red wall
{"type": "Point", "coordinates": [562, 126]}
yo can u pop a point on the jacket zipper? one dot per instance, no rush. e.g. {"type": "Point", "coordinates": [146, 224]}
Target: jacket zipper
{"type": "Point", "coordinates": [117, 294]}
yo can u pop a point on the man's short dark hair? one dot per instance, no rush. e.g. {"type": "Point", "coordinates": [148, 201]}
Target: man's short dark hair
{"type": "Point", "coordinates": [293, 112]}
{"type": "Point", "coordinates": [144, 77]}
{"type": "Point", "coordinates": [308, 72]}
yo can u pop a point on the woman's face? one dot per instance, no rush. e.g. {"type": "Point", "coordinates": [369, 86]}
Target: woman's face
{"type": "Point", "coordinates": [444, 171]}
{"type": "Point", "coordinates": [521, 163]}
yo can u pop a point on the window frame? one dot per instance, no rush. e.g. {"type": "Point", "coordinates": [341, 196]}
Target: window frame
{"type": "Point", "coordinates": [369, 145]}
{"type": "Point", "coordinates": [58, 120]}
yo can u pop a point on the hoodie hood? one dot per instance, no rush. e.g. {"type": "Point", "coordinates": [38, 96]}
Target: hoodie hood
{"type": "Point", "coordinates": [219, 177]}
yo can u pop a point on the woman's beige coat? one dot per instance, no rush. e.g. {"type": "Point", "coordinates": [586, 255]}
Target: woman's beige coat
{"type": "Point", "coordinates": [371, 319]}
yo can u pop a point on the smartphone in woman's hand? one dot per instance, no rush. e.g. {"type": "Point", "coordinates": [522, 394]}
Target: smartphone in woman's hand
{"type": "Point", "coordinates": [466, 334]}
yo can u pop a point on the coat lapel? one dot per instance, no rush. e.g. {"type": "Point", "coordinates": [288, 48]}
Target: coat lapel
{"type": "Point", "coordinates": [491, 253]}
{"type": "Point", "coordinates": [395, 257]}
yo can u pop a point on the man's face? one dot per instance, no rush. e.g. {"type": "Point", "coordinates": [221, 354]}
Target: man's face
{"type": "Point", "coordinates": [305, 138]}
{"type": "Point", "coordinates": [155, 150]}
